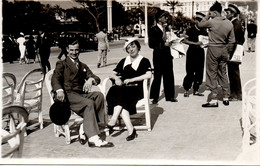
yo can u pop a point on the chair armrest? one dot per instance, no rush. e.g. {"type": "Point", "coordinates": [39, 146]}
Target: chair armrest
{"type": "Point", "coordinates": [103, 86]}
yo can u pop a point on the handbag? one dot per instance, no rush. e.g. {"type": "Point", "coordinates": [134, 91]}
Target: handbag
{"type": "Point", "coordinates": [238, 54]}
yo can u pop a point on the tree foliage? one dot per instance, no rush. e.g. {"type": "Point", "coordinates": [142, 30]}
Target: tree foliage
{"type": "Point", "coordinates": [25, 16]}
{"type": "Point", "coordinates": [172, 4]}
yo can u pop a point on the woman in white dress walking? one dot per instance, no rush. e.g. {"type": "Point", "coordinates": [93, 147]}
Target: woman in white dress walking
{"type": "Point", "coordinates": [21, 42]}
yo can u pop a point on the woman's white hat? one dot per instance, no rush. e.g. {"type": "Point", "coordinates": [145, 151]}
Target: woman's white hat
{"type": "Point", "coordinates": [128, 41]}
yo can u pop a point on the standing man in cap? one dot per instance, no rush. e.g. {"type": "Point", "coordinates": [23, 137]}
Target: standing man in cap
{"type": "Point", "coordinates": [162, 59]}
{"type": "Point", "coordinates": [63, 44]}
{"type": "Point", "coordinates": [195, 58]}
{"type": "Point", "coordinates": [103, 47]}
{"type": "Point", "coordinates": [232, 13]}
{"type": "Point", "coordinates": [73, 79]}
{"type": "Point", "coordinates": [221, 42]}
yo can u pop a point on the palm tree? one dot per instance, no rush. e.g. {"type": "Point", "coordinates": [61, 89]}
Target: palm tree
{"type": "Point", "coordinates": [172, 4]}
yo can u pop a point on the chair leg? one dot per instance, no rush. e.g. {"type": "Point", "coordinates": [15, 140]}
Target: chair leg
{"type": "Point", "coordinates": [56, 130]}
{"type": "Point", "coordinates": [148, 120]}
{"type": "Point", "coordinates": [67, 133]}
{"type": "Point", "coordinates": [81, 131]}
{"type": "Point", "coordinates": [40, 119]}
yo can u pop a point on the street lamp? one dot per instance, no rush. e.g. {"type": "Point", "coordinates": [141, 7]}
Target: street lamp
{"type": "Point", "coordinates": [139, 17]}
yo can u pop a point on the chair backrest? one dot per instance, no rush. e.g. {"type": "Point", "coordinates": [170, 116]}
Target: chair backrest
{"type": "Point", "coordinates": [9, 84]}
{"type": "Point", "coordinates": [14, 119]}
{"type": "Point", "coordinates": [30, 87]}
{"type": "Point", "coordinates": [48, 77]}
{"type": "Point", "coordinates": [249, 117]}
{"type": "Point", "coordinates": [142, 105]}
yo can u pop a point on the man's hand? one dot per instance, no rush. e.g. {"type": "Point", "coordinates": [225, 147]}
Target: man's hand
{"type": "Point", "coordinates": [118, 82]}
{"type": "Point", "coordinates": [87, 86]}
{"type": "Point", "coordinates": [60, 96]}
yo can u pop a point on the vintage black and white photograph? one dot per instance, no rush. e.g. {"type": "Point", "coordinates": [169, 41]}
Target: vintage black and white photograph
{"type": "Point", "coordinates": [130, 82]}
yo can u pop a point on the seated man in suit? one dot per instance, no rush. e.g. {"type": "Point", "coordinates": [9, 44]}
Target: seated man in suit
{"type": "Point", "coordinates": [72, 80]}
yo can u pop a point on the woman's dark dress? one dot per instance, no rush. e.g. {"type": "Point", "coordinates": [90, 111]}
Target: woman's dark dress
{"type": "Point", "coordinates": [127, 95]}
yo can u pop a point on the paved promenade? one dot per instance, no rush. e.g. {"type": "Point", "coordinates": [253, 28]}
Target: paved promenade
{"type": "Point", "coordinates": [182, 132]}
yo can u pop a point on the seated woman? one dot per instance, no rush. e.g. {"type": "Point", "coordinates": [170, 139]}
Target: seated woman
{"type": "Point", "coordinates": [128, 89]}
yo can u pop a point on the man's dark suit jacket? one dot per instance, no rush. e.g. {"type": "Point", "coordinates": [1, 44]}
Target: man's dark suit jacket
{"type": "Point", "coordinates": [161, 52]}
{"type": "Point", "coordinates": [67, 77]}
{"type": "Point", "coordinates": [44, 44]}
{"type": "Point", "coordinates": [239, 34]}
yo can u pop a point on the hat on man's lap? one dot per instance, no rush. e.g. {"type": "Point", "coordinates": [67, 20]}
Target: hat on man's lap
{"type": "Point", "coordinates": [60, 112]}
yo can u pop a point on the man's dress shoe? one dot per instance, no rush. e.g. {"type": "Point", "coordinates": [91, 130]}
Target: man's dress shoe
{"type": "Point", "coordinates": [83, 141]}
{"type": "Point", "coordinates": [226, 102]}
{"type": "Point", "coordinates": [172, 100]}
{"type": "Point", "coordinates": [197, 94]}
{"type": "Point", "coordinates": [186, 94]}
{"type": "Point", "coordinates": [210, 105]}
{"type": "Point", "coordinates": [155, 101]}
{"type": "Point", "coordinates": [107, 145]}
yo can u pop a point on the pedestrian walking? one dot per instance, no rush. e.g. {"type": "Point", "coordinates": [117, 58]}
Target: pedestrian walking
{"type": "Point", "coordinates": [10, 49]}
{"type": "Point", "coordinates": [44, 43]}
{"type": "Point", "coordinates": [74, 79]}
{"type": "Point", "coordinates": [251, 35]}
{"type": "Point", "coordinates": [221, 41]}
{"type": "Point", "coordinates": [21, 42]}
{"type": "Point", "coordinates": [103, 47]}
{"type": "Point", "coordinates": [30, 49]}
{"type": "Point", "coordinates": [63, 44]}
{"type": "Point", "coordinates": [195, 57]}
{"type": "Point", "coordinates": [233, 68]}
{"type": "Point", "coordinates": [162, 59]}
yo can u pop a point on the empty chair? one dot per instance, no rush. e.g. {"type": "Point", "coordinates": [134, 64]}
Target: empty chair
{"type": "Point", "coordinates": [249, 118]}
{"type": "Point", "coordinates": [9, 85]}
{"type": "Point", "coordinates": [29, 94]}
{"type": "Point", "coordinates": [65, 129]}
{"type": "Point", "coordinates": [14, 119]}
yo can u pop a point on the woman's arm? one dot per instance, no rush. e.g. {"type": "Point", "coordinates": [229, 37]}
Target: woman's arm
{"type": "Point", "coordinates": [117, 79]}
{"type": "Point", "coordinates": [186, 41]}
{"type": "Point", "coordinates": [147, 75]}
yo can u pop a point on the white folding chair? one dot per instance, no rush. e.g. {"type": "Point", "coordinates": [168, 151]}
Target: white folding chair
{"type": "Point", "coordinates": [14, 119]}
{"type": "Point", "coordinates": [249, 113]}
{"type": "Point", "coordinates": [63, 130]}
{"type": "Point", "coordinates": [142, 106]}
{"type": "Point", "coordinates": [29, 94]}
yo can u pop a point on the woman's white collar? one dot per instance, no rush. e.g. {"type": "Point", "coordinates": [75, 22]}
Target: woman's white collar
{"type": "Point", "coordinates": [135, 63]}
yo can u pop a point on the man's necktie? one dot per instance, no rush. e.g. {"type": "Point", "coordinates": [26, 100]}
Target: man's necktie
{"type": "Point", "coordinates": [76, 62]}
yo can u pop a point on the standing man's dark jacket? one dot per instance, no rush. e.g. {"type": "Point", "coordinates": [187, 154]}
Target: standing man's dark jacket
{"type": "Point", "coordinates": [239, 33]}
{"type": "Point", "coordinates": [44, 43]}
{"type": "Point", "coordinates": [163, 65]}
{"type": "Point", "coordinates": [233, 67]}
